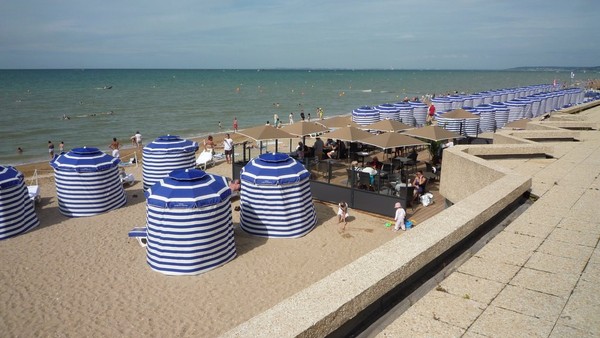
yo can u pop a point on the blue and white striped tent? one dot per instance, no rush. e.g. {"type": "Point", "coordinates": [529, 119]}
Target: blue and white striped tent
{"type": "Point", "coordinates": [190, 227]}
{"type": "Point", "coordinates": [17, 211]}
{"type": "Point", "coordinates": [87, 182]}
{"type": "Point", "coordinates": [365, 115]}
{"type": "Point", "coordinates": [276, 200]}
{"type": "Point", "coordinates": [388, 111]}
{"type": "Point", "coordinates": [164, 155]}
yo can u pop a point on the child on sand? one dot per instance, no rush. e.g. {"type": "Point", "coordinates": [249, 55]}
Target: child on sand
{"type": "Point", "coordinates": [399, 217]}
{"type": "Point", "coordinates": [342, 213]}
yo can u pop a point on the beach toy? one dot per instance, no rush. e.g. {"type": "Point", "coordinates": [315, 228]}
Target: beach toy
{"type": "Point", "coordinates": [17, 210]}
{"type": "Point", "coordinates": [388, 224]}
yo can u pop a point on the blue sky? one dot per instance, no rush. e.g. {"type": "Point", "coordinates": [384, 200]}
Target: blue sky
{"type": "Point", "coordinates": [403, 34]}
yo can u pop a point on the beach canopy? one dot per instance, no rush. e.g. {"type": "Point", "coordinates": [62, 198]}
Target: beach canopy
{"type": "Point", "coordinates": [87, 182]}
{"type": "Point", "coordinates": [165, 154]}
{"type": "Point", "coordinates": [265, 132]}
{"type": "Point", "coordinates": [351, 134]}
{"type": "Point", "coordinates": [84, 160]}
{"type": "Point", "coordinates": [433, 133]}
{"type": "Point", "coordinates": [275, 198]}
{"type": "Point", "coordinates": [392, 140]}
{"type": "Point", "coordinates": [338, 122]}
{"type": "Point", "coordinates": [189, 221]}
{"type": "Point", "coordinates": [387, 125]}
{"type": "Point", "coordinates": [304, 128]}
{"type": "Point", "coordinates": [459, 114]}
{"type": "Point", "coordinates": [518, 124]}
{"type": "Point", "coordinates": [17, 210]}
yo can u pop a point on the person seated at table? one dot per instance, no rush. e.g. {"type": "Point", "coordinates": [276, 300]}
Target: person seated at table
{"type": "Point", "coordinates": [330, 143]}
{"type": "Point", "coordinates": [333, 153]}
{"type": "Point", "coordinates": [354, 166]}
{"type": "Point", "coordinates": [300, 150]}
{"type": "Point", "coordinates": [419, 183]}
{"type": "Point", "coordinates": [374, 163]}
{"type": "Point", "coordinates": [413, 155]}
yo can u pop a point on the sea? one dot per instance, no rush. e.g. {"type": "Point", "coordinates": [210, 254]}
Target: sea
{"type": "Point", "coordinates": [88, 107]}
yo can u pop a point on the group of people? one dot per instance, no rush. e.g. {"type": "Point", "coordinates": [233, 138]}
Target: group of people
{"type": "Point", "coordinates": [210, 145]}
{"type": "Point", "coordinates": [399, 215]}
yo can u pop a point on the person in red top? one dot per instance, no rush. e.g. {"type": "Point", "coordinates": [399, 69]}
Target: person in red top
{"type": "Point", "coordinates": [430, 113]}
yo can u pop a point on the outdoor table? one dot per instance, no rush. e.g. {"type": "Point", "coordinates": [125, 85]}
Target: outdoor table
{"type": "Point", "coordinates": [362, 155]}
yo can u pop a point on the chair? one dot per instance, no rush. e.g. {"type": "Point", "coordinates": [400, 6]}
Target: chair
{"type": "Point", "coordinates": [34, 193]}
{"type": "Point", "coordinates": [141, 234]}
{"type": "Point", "coordinates": [364, 180]}
{"type": "Point", "coordinates": [204, 159]}
{"type": "Point", "coordinates": [127, 178]}
{"type": "Point", "coordinates": [351, 177]}
{"type": "Point", "coordinates": [430, 173]}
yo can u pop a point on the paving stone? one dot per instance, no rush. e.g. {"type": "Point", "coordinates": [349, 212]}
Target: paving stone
{"type": "Point", "coordinates": [531, 303]}
{"type": "Point", "coordinates": [488, 269]}
{"type": "Point", "coordinates": [498, 322]}
{"type": "Point", "coordinates": [557, 284]}
{"type": "Point", "coordinates": [576, 224]}
{"type": "Point", "coordinates": [555, 264]}
{"type": "Point", "coordinates": [575, 237]}
{"type": "Point", "coordinates": [498, 252]}
{"type": "Point", "coordinates": [449, 308]}
{"type": "Point", "coordinates": [564, 249]}
{"type": "Point", "coordinates": [518, 241]}
{"type": "Point", "coordinates": [478, 289]}
{"type": "Point", "coordinates": [562, 331]}
{"type": "Point", "coordinates": [419, 326]}
{"type": "Point", "coordinates": [583, 308]}
{"type": "Point", "coordinates": [532, 229]}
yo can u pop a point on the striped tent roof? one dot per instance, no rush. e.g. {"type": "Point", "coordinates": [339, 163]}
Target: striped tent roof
{"type": "Point", "coordinates": [83, 160]}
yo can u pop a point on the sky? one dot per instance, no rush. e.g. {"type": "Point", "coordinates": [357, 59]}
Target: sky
{"type": "Point", "coordinates": [262, 34]}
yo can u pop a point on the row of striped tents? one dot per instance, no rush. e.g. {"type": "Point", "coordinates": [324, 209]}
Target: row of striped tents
{"type": "Point", "coordinates": [17, 211]}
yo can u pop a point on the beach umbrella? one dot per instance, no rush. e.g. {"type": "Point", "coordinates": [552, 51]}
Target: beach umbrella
{"type": "Point", "coordinates": [433, 133]}
{"type": "Point", "coordinates": [387, 125]}
{"type": "Point", "coordinates": [338, 122]}
{"type": "Point", "coordinates": [17, 210]}
{"type": "Point", "coordinates": [190, 226]}
{"type": "Point", "coordinates": [264, 133]}
{"type": "Point", "coordinates": [351, 134]}
{"type": "Point", "coordinates": [392, 140]}
{"type": "Point", "coordinates": [87, 182]}
{"type": "Point", "coordinates": [164, 155]}
{"type": "Point", "coordinates": [275, 198]}
{"type": "Point", "coordinates": [518, 124]}
{"type": "Point", "coordinates": [304, 128]}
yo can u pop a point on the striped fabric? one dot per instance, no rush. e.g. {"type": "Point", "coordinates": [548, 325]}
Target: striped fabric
{"type": "Point", "coordinates": [365, 115]}
{"type": "Point", "coordinates": [17, 211]}
{"type": "Point", "coordinates": [276, 200]}
{"type": "Point", "coordinates": [388, 111]}
{"type": "Point", "coordinates": [164, 155]}
{"type": "Point", "coordinates": [190, 226]}
{"type": "Point", "coordinates": [419, 112]}
{"type": "Point", "coordinates": [405, 113]}
{"type": "Point", "coordinates": [87, 182]}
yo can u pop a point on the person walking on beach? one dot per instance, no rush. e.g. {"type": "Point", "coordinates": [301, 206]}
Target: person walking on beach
{"type": "Point", "coordinates": [343, 213]}
{"type": "Point", "coordinates": [228, 148]}
{"type": "Point", "coordinates": [51, 149]}
{"type": "Point", "coordinates": [302, 115]}
{"type": "Point", "coordinates": [61, 147]}
{"type": "Point", "coordinates": [138, 139]}
{"type": "Point", "coordinates": [291, 118]}
{"type": "Point", "coordinates": [235, 125]}
{"type": "Point", "coordinates": [399, 217]}
{"type": "Point", "coordinates": [115, 145]}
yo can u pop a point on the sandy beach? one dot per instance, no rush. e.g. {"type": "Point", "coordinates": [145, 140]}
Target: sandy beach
{"type": "Point", "coordinates": [85, 277]}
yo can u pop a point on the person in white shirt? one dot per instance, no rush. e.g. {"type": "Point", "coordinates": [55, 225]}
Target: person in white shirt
{"type": "Point", "coordinates": [228, 148]}
{"type": "Point", "coordinates": [399, 218]}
